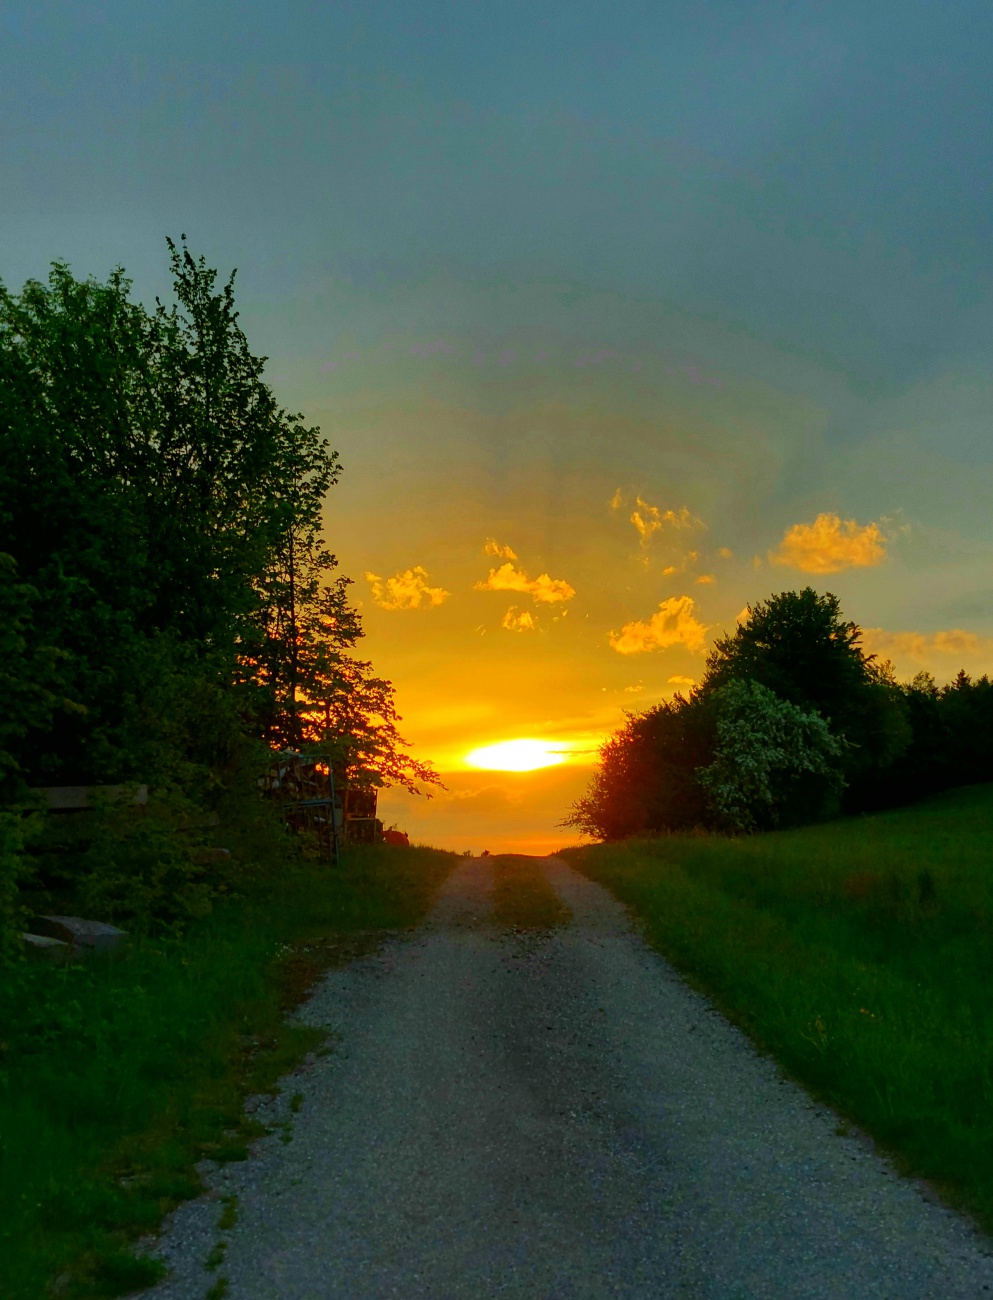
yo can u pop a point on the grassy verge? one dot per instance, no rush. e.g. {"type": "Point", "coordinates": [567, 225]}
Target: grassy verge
{"type": "Point", "coordinates": [860, 954]}
{"type": "Point", "coordinates": [522, 897]}
{"type": "Point", "coordinates": [117, 1075]}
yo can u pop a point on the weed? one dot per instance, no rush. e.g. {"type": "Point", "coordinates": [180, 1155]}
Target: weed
{"type": "Point", "coordinates": [229, 1215]}
{"type": "Point", "coordinates": [216, 1257]}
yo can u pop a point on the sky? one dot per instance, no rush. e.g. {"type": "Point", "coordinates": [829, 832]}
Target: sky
{"type": "Point", "coordinates": [621, 316]}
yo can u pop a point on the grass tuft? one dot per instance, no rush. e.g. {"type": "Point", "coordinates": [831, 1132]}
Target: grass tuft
{"type": "Point", "coordinates": [522, 897]}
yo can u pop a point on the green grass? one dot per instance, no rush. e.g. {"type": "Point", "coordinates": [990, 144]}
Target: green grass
{"type": "Point", "coordinates": [522, 897]}
{"type": "Point", "coordinates": [117, 1075]}
{"type": "Point", "coordinates": [859, 954]}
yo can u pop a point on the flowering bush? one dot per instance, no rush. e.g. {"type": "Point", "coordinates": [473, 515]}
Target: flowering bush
{"type": "Point", "coordinates": [773, 762]}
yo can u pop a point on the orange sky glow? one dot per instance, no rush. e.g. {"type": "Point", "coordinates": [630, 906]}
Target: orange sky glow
{"type": "Point", "coordinates": [545, 533]}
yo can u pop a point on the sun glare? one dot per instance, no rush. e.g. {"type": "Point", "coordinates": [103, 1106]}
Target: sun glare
{"type": "Point", "coordinates": [516, 756]}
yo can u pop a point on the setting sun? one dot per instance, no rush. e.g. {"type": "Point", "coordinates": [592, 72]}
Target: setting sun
{"type": "Point", "coordinates": [516, 756]}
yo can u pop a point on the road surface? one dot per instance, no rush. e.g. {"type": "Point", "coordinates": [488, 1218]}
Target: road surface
{"type": "Point", "coordinates": [553, 1115]}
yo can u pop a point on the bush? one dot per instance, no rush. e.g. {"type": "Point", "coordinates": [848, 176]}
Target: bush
{"type": "Point", "coordinates": [775, 765]}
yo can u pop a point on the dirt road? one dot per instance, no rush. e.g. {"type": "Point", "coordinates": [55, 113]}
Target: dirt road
{"type": "Point", "coordinates": [554, 1115]}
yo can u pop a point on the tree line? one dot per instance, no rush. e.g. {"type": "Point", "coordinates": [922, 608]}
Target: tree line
{"type": "Point", "coordinates": [168, 603]}
{"type": "Point", "coordinates": [792, 723]}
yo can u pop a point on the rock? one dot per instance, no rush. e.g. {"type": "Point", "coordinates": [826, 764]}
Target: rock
{"type": "Point", "coordinates": [78, 932]}
{"type": "Point", "coordinates": [42, 945]}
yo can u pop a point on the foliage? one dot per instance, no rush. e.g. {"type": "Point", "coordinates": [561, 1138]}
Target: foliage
{"type": "Point", "coordinates": [166, 594]}
{"type": "Point", "coordinates": [799, 646]}
{"type": "Point", "coordinates": [857, 953]}
{"type": "Point", "coordinates": [645, 780]}
{"type": "Point", "coordinates": [774, 764]}
{"type": "Point", "coordinates": [791, 713]}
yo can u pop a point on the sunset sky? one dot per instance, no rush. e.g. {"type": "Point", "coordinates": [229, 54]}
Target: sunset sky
{"type": "Point", "coordinates": [620, 315]}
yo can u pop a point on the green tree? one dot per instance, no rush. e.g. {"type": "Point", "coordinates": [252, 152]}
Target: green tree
{"type": "Point", "coordinates": [798, 645]}
{"type": "Point", "coordinates": [774, 764]}
{"type": "Point", "coordinates": [645, 780]}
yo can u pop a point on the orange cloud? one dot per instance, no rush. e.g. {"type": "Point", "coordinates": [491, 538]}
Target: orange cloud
{"type": "Point", "coordinates": [649, 520]}
{"type": "Point", "coordinates": [544, 590]}
{"type": "Point", "coordinates": [673, 623]}
{"type": "Point", "coordinates": [726, 553]}
{"type": "Point", "coordinates": [407, 590]}
{"type": "Point", "coordinates": [682, 681]}
{"type": "Point", "coordinates": [705, 579]}
{"type": "Point", "coordinates": [617, 500]}
{"type": "Point", "coordinates": [915, 648]}
{"type": "Point", "coordinates": [493, 547]}
{"type": "Point", "coordinates": [829, 545]}
{"type": "Point", "coordinates": [519, 622]}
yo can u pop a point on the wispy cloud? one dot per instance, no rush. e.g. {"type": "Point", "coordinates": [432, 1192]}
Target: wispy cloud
{"type": "Point", "coordinates": [649, 520]}
{"type": "Point", "coordinates": [493, 547]}
{"type": "Point", "coordinates": [519, 620]}
{"type": "Point", "coordinates": [688, 682]}
{"type": "Point", "coordinates": [407, 590]}
{"type": "Point", "coordinates": [705, 580]}
{"type": "Point", "coordinates": [952, 649]}
{"type": "Point", "coordinates": [543, 589]}
{"type": "Point", "coordinates": [829, 545]}
{"type": "Point", "coordinates": [673, 623]}
{"type": "Point", "coordinates": [617, 500]}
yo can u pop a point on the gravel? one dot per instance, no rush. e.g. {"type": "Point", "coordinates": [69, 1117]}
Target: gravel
{"type": "Point", "coordinates": [552, 1114]}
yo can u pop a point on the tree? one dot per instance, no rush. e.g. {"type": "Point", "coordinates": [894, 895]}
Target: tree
{"type": "Point", "coordinates": [645, 781]}
{"type": "Point", "coordinates": [165, 513]}
{"type": "Point", "coordinates": [798, 645]}
{"type": "Point", "coordinates": [774, 764]}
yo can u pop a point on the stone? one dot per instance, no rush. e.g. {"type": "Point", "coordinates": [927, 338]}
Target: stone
{"type": "Point", "coordinates": [42, 945]}
{"type": "Point", "coordinates": [78, 932]}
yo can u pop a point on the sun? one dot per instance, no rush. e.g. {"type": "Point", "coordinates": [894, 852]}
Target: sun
{"type": "Point", "coordinates": [517, 756]}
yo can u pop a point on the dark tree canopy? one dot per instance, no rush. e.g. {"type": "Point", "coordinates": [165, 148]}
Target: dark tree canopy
{"type": "Point", "coordinates": [167, 589]}
{"type": "Point", "coordinates": [886, 743]}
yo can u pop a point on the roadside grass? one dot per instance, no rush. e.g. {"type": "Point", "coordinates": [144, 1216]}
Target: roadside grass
{"type": "Point", "coordinates": [117, 1075]}
{"type": "Point", "coordinates": [859, 954]}
{"type": "Point", "coordinates": [522, 897]}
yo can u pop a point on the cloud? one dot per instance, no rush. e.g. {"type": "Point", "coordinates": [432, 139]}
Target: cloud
{"type": "Point", "coordinates": [407, 590]}
{"type": "Point", "coordinates": [519, 622]}
{"type": "Point", "coordinates": [955, 647]}
{"type": "Point", "coordinates": [829, 545]}
{"type": "Point", "coordinates": [545, 590]}
{"type": "Point", "coordinates": [673, 623]}
{"type": "Point", "coordinates": [649, 519]}
{"type": "Point", "coordinates": [682, 681]}
{"type": "Point", "coordinates": [705, 580]}
{"type": "Point", "coordinates": [493, 547]}
{"type": "Point", "coordinates": [617, 500]}
{"type": "Point", "coordinates": [726, 553]}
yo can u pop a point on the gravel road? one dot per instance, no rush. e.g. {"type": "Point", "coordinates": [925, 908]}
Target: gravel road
{"type": "Point", "coordinates": [553, 1115]}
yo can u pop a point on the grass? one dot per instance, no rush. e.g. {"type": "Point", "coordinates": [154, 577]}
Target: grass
{"type": "Point", "coordinates": [118, 1075]}
{"type": "Point", "coordinates": [522, 897]}
{"type": "Point", "coordinates": [859, 954]}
